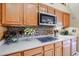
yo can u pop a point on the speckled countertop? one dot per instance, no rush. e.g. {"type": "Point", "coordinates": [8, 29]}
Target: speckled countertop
{"type": "Point", "coordinates": [27, 44]}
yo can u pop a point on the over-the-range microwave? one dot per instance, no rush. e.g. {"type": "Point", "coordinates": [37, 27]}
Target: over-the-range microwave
{"type": "Point", "coordinates": [47, 19]}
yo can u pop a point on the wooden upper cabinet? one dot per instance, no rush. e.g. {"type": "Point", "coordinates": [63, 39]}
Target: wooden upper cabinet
{"type": "Point", "coordinates": [51, 10]}
{"type": "Point", "coordinates": [42, 8]}
{"type": "Point", "coordinates": [30, 14]}
{"type": "Point", "coordinates": [0, 12]}
{"type": "Point", "coordinates": [59, 15]}
{"type": "Point", "coordinates": [66, 20]}
{"type": "Point", "coordinates": [12, 13]}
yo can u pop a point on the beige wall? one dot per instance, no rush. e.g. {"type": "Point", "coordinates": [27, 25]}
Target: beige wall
{"type": "Point", "coordinates": [74, 9]}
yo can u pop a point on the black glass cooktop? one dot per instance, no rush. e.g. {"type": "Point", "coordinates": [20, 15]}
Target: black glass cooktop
{"type": "Point", "coordinates": [46, 39]}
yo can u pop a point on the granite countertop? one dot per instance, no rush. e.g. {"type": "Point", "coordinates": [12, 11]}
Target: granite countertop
{"type": "Point", "coordinates": [27, 44]}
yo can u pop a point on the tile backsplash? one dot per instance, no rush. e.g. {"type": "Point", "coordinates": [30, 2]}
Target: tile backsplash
{"type": "Point", "coordinates": [44, 30]}
{"type": "Point", "coordinates": [41, 30]}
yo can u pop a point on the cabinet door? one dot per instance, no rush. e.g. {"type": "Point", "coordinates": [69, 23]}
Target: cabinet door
{"type": "Point", "coordinates": [66, 20]}
{"type": "Point", "coordinates": [49, 53]}
{"type": "Point", "coordinates": [59, 15]}
{"type": "Point", "coordinates": [42, 8]}
{"type": "Point", "coordinates": [58, 51]}
{"type": "Point", "coordinates": [12, 13]}
{"type": "Point", "coordinates": [0, 12]}
{"type": "Point", "coordinates": [51, 10]}
{"type": "Point", "coordinates": [30, 14]}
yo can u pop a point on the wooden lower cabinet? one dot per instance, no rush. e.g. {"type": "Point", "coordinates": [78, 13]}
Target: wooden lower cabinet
{"type": "Point", "coordinates": [58, 51]}
{"type": "Point", "coordinates": [33, 52]}
{"type": "Point", "coordinates": [49, 50]}
{"type": "Point", "coordinates": [15, 54]}
{"type": "Point", "coordinates": [49, 53]}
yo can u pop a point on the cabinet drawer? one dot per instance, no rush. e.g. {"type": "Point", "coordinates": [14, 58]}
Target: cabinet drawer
{"type": "Point", "coordinates": [48, 47]}
{"type": "Point", "coordinates": [58, 44]}
{"type": "Point", "coordinates": [49, 53]}
{"type": "Point", "coordinates": [33, 52]}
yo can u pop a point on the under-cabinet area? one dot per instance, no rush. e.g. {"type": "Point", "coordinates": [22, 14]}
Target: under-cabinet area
{"type": "Point", "coordinates": [36, 29]}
